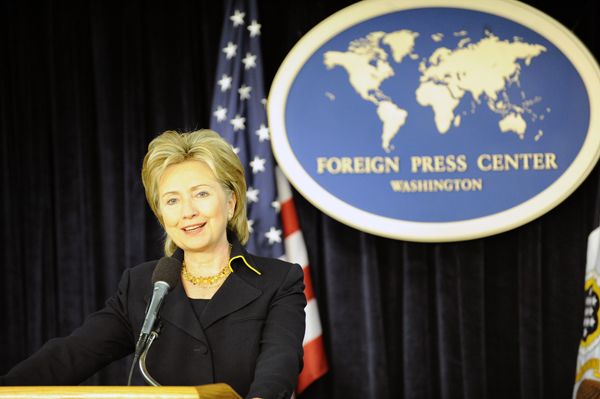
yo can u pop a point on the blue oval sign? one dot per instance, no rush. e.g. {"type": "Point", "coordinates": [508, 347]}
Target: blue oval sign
{"type": "Point", "coordinates": [436, 120]}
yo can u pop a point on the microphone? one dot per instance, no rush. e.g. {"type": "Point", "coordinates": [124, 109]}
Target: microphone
{"type": "Point", "coordinates": [164, 278]}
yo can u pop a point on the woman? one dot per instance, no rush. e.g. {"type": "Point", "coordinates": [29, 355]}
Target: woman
{"type": "Point", "coordinates": [235, 318]}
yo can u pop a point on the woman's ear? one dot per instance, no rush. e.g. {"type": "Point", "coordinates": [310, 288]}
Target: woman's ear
{"type": "Point", "coordinates": [231, 202]}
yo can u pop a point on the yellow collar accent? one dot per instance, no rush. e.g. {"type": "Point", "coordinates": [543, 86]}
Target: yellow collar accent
{"type": "Point", "coordinates": [245, 262]}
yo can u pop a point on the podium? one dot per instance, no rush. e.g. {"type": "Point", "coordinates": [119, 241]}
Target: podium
{"type": "Point", "coordinates": [588, 389]}
{"type": "Point", "coordinates": [209, 391]}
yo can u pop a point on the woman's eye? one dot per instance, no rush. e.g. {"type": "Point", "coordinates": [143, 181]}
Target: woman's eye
{"type": "Point", "coordinates": [202, 194]}
{"type": "Point", "coordinates": [171, 201]}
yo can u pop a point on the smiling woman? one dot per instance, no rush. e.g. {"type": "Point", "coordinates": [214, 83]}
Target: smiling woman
{"type": "Point", "coordinates": [236, 318]}
{"type": "Point", "coordinates": [216, 157]}
{"type": "Point", "coordinates": [195, 208]}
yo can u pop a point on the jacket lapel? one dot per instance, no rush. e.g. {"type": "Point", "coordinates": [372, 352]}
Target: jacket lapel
{"type": "Point", "coordinates": [178, 311]}
{"type": "Point", "coordinates": [234, 294]}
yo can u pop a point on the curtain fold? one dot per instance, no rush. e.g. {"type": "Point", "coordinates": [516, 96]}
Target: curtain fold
{"type": "Point", "coordinates": [530, 318]}
{"type": "Point", "coordinates": [420, 346]}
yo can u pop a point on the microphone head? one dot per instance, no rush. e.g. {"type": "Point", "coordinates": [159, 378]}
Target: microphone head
{"type": "Point", "coordinates": [168, 270]}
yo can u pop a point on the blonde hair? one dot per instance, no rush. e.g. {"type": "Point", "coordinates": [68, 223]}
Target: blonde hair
{"type": "Point", "coordinates": [206, 146]}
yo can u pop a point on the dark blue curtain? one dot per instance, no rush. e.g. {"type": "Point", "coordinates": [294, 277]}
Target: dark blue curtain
{"type": "Point", "coordinates": [85, 85]}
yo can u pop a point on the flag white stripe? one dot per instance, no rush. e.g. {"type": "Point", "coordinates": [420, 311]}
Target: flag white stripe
{"type": "Point", "coordinates": [284, 191]}
{"type": "Point", "coordinates": [295, 249]}
{"type": "Point", "coordinates": [313, 322]}
{"type": "Point", "coordinates": [592, 250]}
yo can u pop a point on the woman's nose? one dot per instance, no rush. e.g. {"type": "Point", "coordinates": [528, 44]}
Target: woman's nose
{"type": "Point", "coordinates": [189, 209]}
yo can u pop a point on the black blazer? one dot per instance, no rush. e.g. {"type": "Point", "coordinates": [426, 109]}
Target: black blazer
{"type": "Point", "coordinates": [249, 335]}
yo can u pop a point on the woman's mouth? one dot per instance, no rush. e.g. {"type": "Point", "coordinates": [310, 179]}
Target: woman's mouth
{"type": "Point", "coordinates": [193, 228]}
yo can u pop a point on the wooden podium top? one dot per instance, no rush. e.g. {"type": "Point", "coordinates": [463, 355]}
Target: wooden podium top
{"type": "Point", "coordinates": [589, 389]}
{"type": "Point", "coordinates": [210, 391]}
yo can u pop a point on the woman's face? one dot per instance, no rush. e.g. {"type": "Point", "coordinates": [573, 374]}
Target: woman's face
{"type": "Point", "coordinates": [194, 206]}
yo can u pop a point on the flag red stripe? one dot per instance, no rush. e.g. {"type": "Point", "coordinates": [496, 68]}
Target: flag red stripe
{"type": "Point", "coordinates": [308, 289]}
{"type": "Point", "coordinates": [289, 218]}
{"type": "Point", "coordinates": [315, 363]}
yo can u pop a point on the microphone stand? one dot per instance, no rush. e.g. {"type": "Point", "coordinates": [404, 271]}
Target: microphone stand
{"type": "Point", "coordinates": [140, 358]}
{"type": "Point", "coordinates": [164, 277]}
{"type": "Point", "coordinates": [142, 361]}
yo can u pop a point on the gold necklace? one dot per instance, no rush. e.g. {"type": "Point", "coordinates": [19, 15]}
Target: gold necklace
{"type": "Point", "coordinates": [205, 281]}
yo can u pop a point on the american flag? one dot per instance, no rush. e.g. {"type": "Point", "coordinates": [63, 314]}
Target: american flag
{"type": "Point", "coordinates": [238, 114]}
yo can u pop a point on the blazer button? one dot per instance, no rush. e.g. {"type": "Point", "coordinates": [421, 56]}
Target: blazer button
{"type": "Point", "coordinates": [202, 349]}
